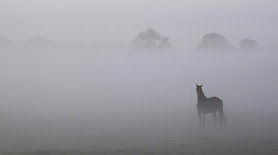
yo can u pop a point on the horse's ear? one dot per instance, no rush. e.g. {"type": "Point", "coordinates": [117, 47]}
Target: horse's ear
{"type": "Point", "coordinates": [201, 85]}
{"type": "Point", "coordinates": [196, 85]}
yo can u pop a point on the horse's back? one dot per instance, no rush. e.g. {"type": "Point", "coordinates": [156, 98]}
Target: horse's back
{"type": "Point", "coordinates": [214, 100]}
{"type": "Point", "coordinates": [210, 105]}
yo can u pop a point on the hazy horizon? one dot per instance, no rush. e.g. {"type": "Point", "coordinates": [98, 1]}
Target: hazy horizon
{"type": "Point", "coordinates": [118, 22]}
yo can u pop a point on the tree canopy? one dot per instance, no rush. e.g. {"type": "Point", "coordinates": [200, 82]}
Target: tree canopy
{"type": "Point", "coordinates": [150, 39]}
{"type": "Point", "coordinates": [5, 42]}
{"type": "Point", "coordinates": [39, 41]}
{"type": "Point", "coordinates": [214, 41]}
{"type": "Point", "coordinates": [249, 44]}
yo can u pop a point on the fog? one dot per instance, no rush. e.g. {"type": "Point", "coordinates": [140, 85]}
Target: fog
{"type": "Point", "coordinates": [70, 78]}
{"type": "Point", "coordinates": [121, 98]}
{"type": "Point", "coordinates": [118, 22]}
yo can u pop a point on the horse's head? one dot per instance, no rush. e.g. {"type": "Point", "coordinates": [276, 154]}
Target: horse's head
{"type": "Point", "coordinates": [199, 89]}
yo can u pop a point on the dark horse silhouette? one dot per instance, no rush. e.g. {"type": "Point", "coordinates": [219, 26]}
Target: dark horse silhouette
{"type": "Point", "coordinates": [209, 105]}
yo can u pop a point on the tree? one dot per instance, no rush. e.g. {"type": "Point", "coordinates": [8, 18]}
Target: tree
{"type": "Point", "coordinates": [39, 41]}
{"type": "Point", "coordinates": [5, 42]}
{"type": "Point", "coordinates": [248, 44]}
{"type": "Point", "coordinates": [214, 41]}
{"type": "Point", "coordinates": [150, 39]}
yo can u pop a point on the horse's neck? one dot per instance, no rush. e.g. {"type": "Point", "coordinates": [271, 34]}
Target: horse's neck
{"type": "Point", "coordinates": [202, 97]}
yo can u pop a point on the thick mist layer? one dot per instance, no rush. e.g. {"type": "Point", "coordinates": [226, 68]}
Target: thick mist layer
{"type": "Point", "coordinates": [62, 99]}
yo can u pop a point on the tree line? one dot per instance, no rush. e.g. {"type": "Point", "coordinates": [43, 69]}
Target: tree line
{"type": "Point", "coordinates": [151, 40]}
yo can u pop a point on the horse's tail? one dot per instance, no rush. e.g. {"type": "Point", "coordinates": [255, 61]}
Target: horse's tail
{"type": "Point", "coordinates": [221, 114]}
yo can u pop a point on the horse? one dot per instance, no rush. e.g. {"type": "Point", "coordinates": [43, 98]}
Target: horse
{"type": "Point", "coordinates": [209, 105]}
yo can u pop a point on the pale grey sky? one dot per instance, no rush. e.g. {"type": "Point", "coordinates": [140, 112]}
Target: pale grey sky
{"type": "Point", "coordinates": [110, 21]}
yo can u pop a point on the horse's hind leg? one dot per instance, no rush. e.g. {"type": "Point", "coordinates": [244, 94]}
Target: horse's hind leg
{"type": "Point", "coordinates": [215, 119]}
{"type": "Point", "coordinates": [224, 118]}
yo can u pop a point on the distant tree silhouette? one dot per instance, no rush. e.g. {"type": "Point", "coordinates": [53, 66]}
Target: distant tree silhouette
{"type": "Point", "coordinates": [248, 44]}
{"type": "Point", "coordinates": [214, 41]}
{"type": "Point", "coordinates": [5, 42]}
{"type": "Point", "coordinates": [39, 41]}
{"type": "Point", "coordinates": [150, 39]}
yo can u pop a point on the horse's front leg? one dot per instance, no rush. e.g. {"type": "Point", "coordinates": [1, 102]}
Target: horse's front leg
{"type": "Point", "coordinates": [204, 119]}
{"type": "Point", "coordinates": [200, 119]}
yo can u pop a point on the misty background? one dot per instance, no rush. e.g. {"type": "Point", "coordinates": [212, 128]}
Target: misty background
{"type": "Point", "coordinates": [95, 91]}
{"type": "Point", "coordinates": [118, 22]}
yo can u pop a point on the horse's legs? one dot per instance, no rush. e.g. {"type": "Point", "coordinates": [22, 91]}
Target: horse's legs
{"type": "Point", "coordinates": [200, 120]}
{"type": "Point", "coordinates": [224, 118]}
{"type": "Point", "coordinates": [215, 119]}
{"type": "Point", "coordinates": [204, 120]}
